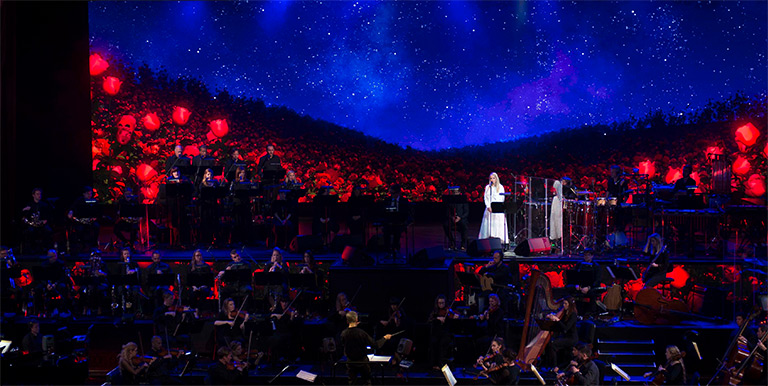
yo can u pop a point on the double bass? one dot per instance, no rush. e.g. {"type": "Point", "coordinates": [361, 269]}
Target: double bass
{"type": "Point", "coordinates": [651, 307]}
{"type": "Point", "coordinates": [733, 369]}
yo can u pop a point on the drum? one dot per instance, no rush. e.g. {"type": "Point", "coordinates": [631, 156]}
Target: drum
{"type": "Point", "coordinates": [612, 201]}
{"type": "Point", "coordinates": [600, 201]}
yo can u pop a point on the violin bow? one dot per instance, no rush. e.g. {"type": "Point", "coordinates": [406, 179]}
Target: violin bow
{"type": "Point", "coordinates": [141, 344]}
{"type": "Point", "coordinates": [248, 354]}
{"type": "Point", "coordinates": [238, 312]}
{"type": "Point", "coordinates": [355, 295]}
{"type": "Point", "coordinates": [291, 303]}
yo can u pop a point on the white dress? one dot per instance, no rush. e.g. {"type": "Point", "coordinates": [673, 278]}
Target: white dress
{"type": "Point", "coordinates": [556, 215]}
{"type": "Point", "coordinates": [494, 224]}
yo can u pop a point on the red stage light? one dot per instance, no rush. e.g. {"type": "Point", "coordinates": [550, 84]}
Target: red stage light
{"type": "Point", "coordinates": [673, 175]}
{"type": "Point", "coordinates": [112, 85]}
{"type": "Point", "coordinates": [180, 115]}
{"type": "Point", "coordinates": [713, 150]}
{"type": "Point", "coordinates": [755, 186]}
{"type": "Point", "coordinates": [741, 166]}
{"type": "Point", "coordinates": [647, 167]}
{"type": "Point", "coordinates": [151, 122]}
{"type": "Point", "coordinates": [747, 134]}
{"type": "Point", "coordinates": [97, 64]}
{"type": "Point", "coordinates": [679, 277]}
{"type": "Point", "coordinates": [219, 127]}
{"type": "Point", "coordinates": [145, 172]}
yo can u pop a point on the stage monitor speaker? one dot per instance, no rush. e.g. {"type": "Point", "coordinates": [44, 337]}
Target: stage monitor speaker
{"type": "Point", "coordinates": [484, 247]}
{"type": "Point", "coordinates": [532, 247]}
{"type": "Point", "coordinates": [429, 257]}
{"type": "Point", "coordinates": [340, 242]}
{"type": "Point", "coordinates": [309, 242]}
{"type": "Point", "coordinates": [404, 347]}
{"type": "Point", "coordinates": [355, 257]}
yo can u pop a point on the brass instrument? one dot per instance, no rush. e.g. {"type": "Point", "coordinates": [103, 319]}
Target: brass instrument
{"type": "Point", "coordinates": [34, 220]}
{"type": "Point", "coordinates": [85, 221]}
{"type": "Point", "coordinates": [132, 220]}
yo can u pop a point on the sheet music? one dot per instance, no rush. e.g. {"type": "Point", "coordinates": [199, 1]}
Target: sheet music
{"type": "Point", "coordinates": [538, 376]}
{"type": "Point", "coordinates": [309, 377]}
{"type": "Point", "coordinates": [620, 372]}
{"type": "Point", "coordinates": [448, 374]}
{"type": "Point", "coordinates": [379, 358]}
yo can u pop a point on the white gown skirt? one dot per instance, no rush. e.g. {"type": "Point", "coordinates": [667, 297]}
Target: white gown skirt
{"type": "Point", "coordinates": [494, 225]}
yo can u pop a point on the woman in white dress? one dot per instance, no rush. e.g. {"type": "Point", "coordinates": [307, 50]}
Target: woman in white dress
{"type": "Point", "coordinates": [494, 224]}
{"type": "Point", "coordinates": [556, 215]}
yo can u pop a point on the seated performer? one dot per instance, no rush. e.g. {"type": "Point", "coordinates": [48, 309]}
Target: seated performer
{"type": "Point", "coordinates": [177, 159]}
{"type": "Point", "coordinates": [124, 223]}
{"type": "Point", "coordinates": [225, 371]}
{"type": "Point", "coordinates": [291, 182]}
{"type": "Point", "coordinates": [129, 293]}
{"type": "Point", "coordinates": [235, 289]}
{"type": "Point", "coordinates": [198, 266]}
{"type": "Point", "coordinates": [493, 224]}
{"type": "Point", "coordinates": [158, 267]}
{"type": "Point", "coordinates": [657, 253]}
{"type": "Point", "coordinates": [585, 287]}
{"type": "Point", "coordinates": [355, 340]}
{"type": "Point", "coordinates": [54, 291]}
{"type": "Point", "coordinates": [230, 324]}
{"type": "Point", "coordinates": [673, 370]}
{"type": "Point", "coordinates": [494, 318]}
{"type": "Point", "coordinates": [582, 370]}
{"type": "Point", "coordinates": [132, 372]}
{"type": "Point", "coordinates": [501, 275]}
{"type": "Point", "coordinates": [456, 219]}
{"type": "Point", "coordinates": [85, 226]}
{"type": "Point", "coordinates": [33, 341]}
{"type": "Point", "coordinates": [499, 366]}
{"type": "Point", "coordinates": [441, 337]}
{"type": "Point", "coordinates": [565, 332]}
{"type": "Point", "coordinates": [37, 233]}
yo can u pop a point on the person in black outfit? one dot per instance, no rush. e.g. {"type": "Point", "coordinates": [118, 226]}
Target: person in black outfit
{"type": "Point", "coordinates": [498, 365]}
{"type": "Point", "coordinates": [681, 185]}
{"type": "Point", "coordinates": [441, 337]}
{"type": "Point", "coordinates": [356, 212]}
{"type": "Point", "coordinates": [583, 369]}
{"type": "Point", "coordinates": [177, 159]}
{"type": "Point", "coordinates": [209, 207]}
{"type": "Point", "coordinates": [659, 257]}
{"type": "Point", "coordinates": [397, 213]}
{"type": "Point", "coordinates": [236, 289]}
{"type": "Point", "coordinates": [55, 291]}
{"type": "Point", "coordinates": [269, 162]}
{"type": "Point", "coordinates": [231, 165]}
{"type": "Point", "coordinates": [673, 370]}
{"type": "Point", "coordinates": [456, 219]}
{"type": "Point", "coordinates": [158, 267]}
{"type": "Point", "coordinates": [198, 266]}
{"type": "Point", "coordinates": [37, 233]}
{"type": "Point", "coordinates": [566, 336]}
{"type": "Point", "coordinates": [177, 204]}
{"type": "Point", "coordinates": [86, 228]}
{"type": "Point", "coordinates": [500, 272]}
{"type": "Point", "coordinates": [159, 371]}
{"type": "Point", "coordinates": [33, 341]}
{"type": "Point", "coordinates": [126, 224]}
{"type": "Point", "coordinates": [284, 217]}
{"type": "Point", "coordinates": [129, 293]}
{"type": "Point", "coordinates": [324, 221]}
{"type": "Point", "coordinates": [223, 372]}
{"type": "Point", "coordinates": [569, 192]}
{"type": "Point", "coordinates": [588, 280]}
{"type": "Point", "coordinates": [355, 340]}
{"type": "Point", "coordinates": [494, 318]}
{"type": "Point", "coordinates": [201, 162]}
{"type": "Point", "coordinates": [617, 187]}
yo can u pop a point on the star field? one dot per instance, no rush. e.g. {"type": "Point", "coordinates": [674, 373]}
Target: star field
{"type": "Point", "coordinates": [435, 75]}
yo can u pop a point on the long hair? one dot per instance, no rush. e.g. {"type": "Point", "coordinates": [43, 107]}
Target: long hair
{"type": "Point", "coordinates": [126, 349]}
{"type": "Point", "coordinates": [571, 310]}
{"type": "Point", "coordinates": [498, 181]}
{"type": "Point", "coordinates": [437, 308]}
{"type": "Point", "coordinates": [649, 248]}
{"type": "Point", "coordinates": [676, 355]}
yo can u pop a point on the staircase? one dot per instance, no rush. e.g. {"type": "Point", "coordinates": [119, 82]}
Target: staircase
{"type": "Point", "coordinates": [635, 357]}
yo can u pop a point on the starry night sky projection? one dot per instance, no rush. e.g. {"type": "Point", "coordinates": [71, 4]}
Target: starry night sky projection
{"type": "Point", "coordinates": [435, 75]}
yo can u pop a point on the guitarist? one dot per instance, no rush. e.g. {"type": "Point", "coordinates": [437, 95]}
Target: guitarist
{"type": "Point", "coordinates": [673, 373]}
{"type": "Point", "coordinates": [495, 274]}
{"type": "Point", "coordinates": [657, 270]}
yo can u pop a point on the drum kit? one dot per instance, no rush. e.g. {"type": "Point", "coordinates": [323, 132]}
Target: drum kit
{"type": "Point", "coordinates": [587, 220]}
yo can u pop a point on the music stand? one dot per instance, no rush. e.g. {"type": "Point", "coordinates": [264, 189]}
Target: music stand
{"type": "Point", "coordinates": [229, 174]}
{"type": "Point", "coordinates": [212, 193]}
{"type": "Point", "coordinates": [302, 280]}
{"type": "Point", "coordinates": [498, 207]}
{"type": "Point", "coordinates": [133, 209]}
{"type": "Point", "coordinates": [582, 279]}
{"type": "Point", "coordinates": [204, 279]}
{"type": "Point", "coordinates": [47, 273]}
{"type": "Point", "coordinates": [89, 210]}
{"type": "Point", "coordinates": [272, 176]}
{"type": "Point", "coordinates": [468, 279]}
{"type": "Point", "coordinates": [236, 276]}
{"type": "Point", "coordinates": [123, 280]}
{"type": "Point", "coordinates": [160, 280]}
{"type": "Point", "coordinates": [268, 279]}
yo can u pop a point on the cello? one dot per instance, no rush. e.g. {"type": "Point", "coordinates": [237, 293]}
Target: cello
{"type": "Point", "coordinates": [651, 307]}
{"type": "Point", "coordinates": [733, 357]}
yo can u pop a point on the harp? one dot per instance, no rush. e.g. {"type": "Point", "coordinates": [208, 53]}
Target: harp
{"type": "Point", "coordinates": [539, 303]}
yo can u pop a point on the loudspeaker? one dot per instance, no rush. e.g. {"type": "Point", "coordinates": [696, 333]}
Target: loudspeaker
{"type": "Point", "coordinates": [404, 347]}
{"type": "Point", "coordinates": [483, 247]}
{"type": "Point", "coordinates": [309, 242]}
{"type": "Point", "coordinates": [355, 257]}
{"type": "Point", "coordinates": [340, 242]}
{"type": "Point", "coordinates": [429, 257]}
{"type": "Point", "coordinates": [329, 345]}
{"type": "Point", "coordinates": [537, 246]}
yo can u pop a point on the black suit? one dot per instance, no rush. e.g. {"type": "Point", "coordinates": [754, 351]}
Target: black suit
{"type": "Point", "coordinates": [172, 161]}
{"type": "Point", "coordinates": [397, 209]}
{"type": "Point", "coordinates": [269, 164]}
{"type": "Point", "coordinates": [449, 225]}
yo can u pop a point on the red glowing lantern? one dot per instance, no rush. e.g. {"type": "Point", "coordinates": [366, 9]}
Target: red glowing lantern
{"type": "Point", "coordinates": [647, 167]}
{"type": "Point", "coordinates": [145, 172]}
{"type": "Point", "coordinates": [180, 115]}
{"type": "Point", "coordinates": [219, 127]}
{"type": "Point", "coordinates": [151, 122]}
{"type": "Point", "coordinates": [97, 64]}
{"type": "Point", "coordinates": [755, 186]}
{"type": "Point", "coordinates": [112, 85]}
{"type": "Point", "coordinates": [741, 166]}
{"type": "Point", "coordinates": [673, 175]}
{"type": "Point", "coordinates": [747, 134]}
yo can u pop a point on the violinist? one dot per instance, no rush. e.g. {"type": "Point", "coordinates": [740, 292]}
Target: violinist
{"type": "Point", "coordinates": [225, 371]}
{"type": "Point", "coordinates": [659, 266]}
{"type": "Point", "coordinates": [494, 320]}
{"type": "Point", "coordinates": [235, 289]}
{"type": "Point", "coordinates": [396, 321]}
{"type": "Point", "coordinates": [285, 321]}
{"type": "Point", "coordinates": [565, 333]}
{"type": "Point", "coordinates": [441, 337]}
{"type": "Point", "coordinates": [166, 317]}
{"type": "Point", "coordinates": [198, 266]}
{"type": "Point", "coordinates": [582, 370]}
{"type": "Point", "coordinates": [230, 323]}
{"type": "Point", "coordinates": [498, 364]}
{"type": "Point", "coordinates": [240, 355]}
{"type": "Point", "coordinates": [355, 341]}
{"type": "Point", "coordinates": [159, 372]}
{"type": "Point", "coordinates": [673, 372]}
{"type": "Point", "coordinates": [337, 319]}
{"type": "Point", "coordinates": [132, 368]}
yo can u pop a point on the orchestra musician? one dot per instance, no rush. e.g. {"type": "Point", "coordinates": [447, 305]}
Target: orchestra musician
{"type": "Point", "coordinates": [674, 369]}
{"type": "Point", "coordinates": [398, 211]}
{"type": "Point", "coordinates": [177, 159]}
{"type": "Point", "coordinates": [681, 185]}
{"type": "Point", "coordinates": [177, 204]}
{"type": "Point", "coordinates": [618, 187]}
{"type": "Point", "coordinates": [269, 162]}
{"type": "Point", "coordinates": [37, 233]}
{"type": "Point", "coordinates": [159, 372]}
{"type": "Point", "coordinates": [158, 267]}
{"type": "Point", "coordinates": [500, 272]}
{"type": "Point", "coordinates": [225, 371]}
{"type": "Point", "coordinates": [209, 217]}
{"type": "Point", "coordinates": [97, 287]}
{"type": "Point", "coordinates": [441, 338]}
{"type": "Point", "coordinates": [55, 290]}
{"type": "Point", "coordinates": [337, 319]}
{"type": "Point", "coordinates": [132, 370]}
{"type": "Point", "coordinates": [356, 211]}
{"type": "Point", "coordinates": [276, 265]}
{"type": "Point", "coordinates": [291, 181]}
{"type": "Point", "coordinates": [493, 224]}
{"type": "Point", "coordinates": [568, 188]}
{"type": "Point", "coordinates": [310, 267]}
{"type": "Point", "coordinates": [10, 291]}
{"type": "Point", "coordinates": [586, 292]}
{"type": "Point", "coordinates": [125, 224]}
{"type": "Point", "coordinates": [498, 366]}
{"type": "Point", "coordinates": [169, 317]}
{"type": "Point", "coordinates": [659, 257]}
{"type": "Point", "coordinates": [33, 341]}
{"type": "Point", "coordinates": [230, 324]}
{"type": "Point", "coordinates": [582, 370]}
{"type": "Point", "coordinates": [235, 289]}
{"type": "Point", "coordinates": [284, 215]}
{"type": "Point", "coordinates": [565, 332]}
{"type": "Point", "coordinates": [396, 321]}
{"type": "Point", "coordinates": [198, 266]}
{"type": "Point", "coordinates": [286, 322]}
{"type": "Point", "coordinates": [128, 294]}
{"type": "Point", "coordinates": [202, 161]}
{"type": "Point", "coordinates": [456, 219]}
{"type": "Point", "coordinates": [324, 221]}
{"type": "Point", "coordinates": [240, 355]}
{"type": "Point", "coordinates": [86, 228]}
{"type": "Point", "coordinates": [242, 207]}
{"type": "Point", "coordinates": [494, 318]}
{"type": "Point", "coordinates": [355, 340]}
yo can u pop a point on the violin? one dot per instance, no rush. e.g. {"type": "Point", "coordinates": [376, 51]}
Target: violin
{"type": "Point", "coordinates": [234, 364]}
{"type": "Point", "coordinates": [138, 360]}
{"type": "Point", "coordinates": [238, 314]}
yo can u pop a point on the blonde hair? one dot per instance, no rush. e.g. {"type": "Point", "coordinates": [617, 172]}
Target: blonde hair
{"type": "Point", "coordinates": [126, 349]}
{"type": "Point", "coordinates": [498, 181]}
